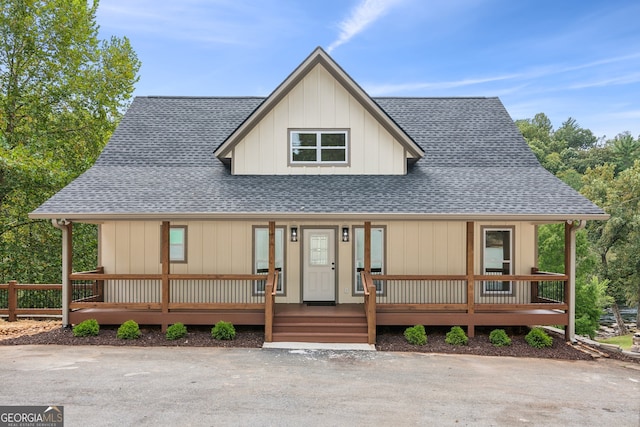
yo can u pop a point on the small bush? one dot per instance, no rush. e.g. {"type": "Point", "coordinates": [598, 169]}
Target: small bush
{"type": "Point", "coordinates": [538, 338]}
{"type": "Point", "coordinates": [416, 335]}
{"type": "Point", "coordinates": [129, 330]}
{"type": "Point", "coordinates": [87, 328]}
{"type": "Point", "coordinates": [176, 331]}
{"type": "Point", "coordinates": [456, 336]}
{"type": "Point", "coordinates": [223, 331]}
{"type": "Point", "coordinates": [499, 338]}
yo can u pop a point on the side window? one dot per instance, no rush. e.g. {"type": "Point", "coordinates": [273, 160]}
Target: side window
{"type": "Point", "coordinates": [377, 256]}
{"type": "Point", "coordinates": [261, 256]}
{"type": "Point", "coordinates": [178, 243]}
{"type": "Point", "coordinates": [497, 258]}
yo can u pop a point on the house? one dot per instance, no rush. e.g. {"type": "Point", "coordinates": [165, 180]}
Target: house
{"type": "Point", "coordinates": [319, 212]}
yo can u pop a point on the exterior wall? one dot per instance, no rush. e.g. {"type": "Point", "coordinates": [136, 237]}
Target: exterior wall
{"type": "Point", "coordinates": [226, 247]}
{"type": "Point", "coordinates": [319, 102]}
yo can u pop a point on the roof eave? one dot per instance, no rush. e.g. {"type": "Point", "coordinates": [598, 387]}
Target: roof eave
{"type": "Point", "coordinates": [300, 216]}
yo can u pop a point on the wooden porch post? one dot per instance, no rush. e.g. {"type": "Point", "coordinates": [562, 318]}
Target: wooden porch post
{"type": "Point", "coordinates": [67, 265]}
{"type": "Point", "coordinates": [166, 269]}
{"type": "Point", "coordinates": [12, 296]}
{"type": "Point", "coordinates": [269, 302]}
{"type": "Point", "coordinates": [272, 247]}
{"type": "Point", "coordinates": [569, 270]}
{"type": "Point", "coordinates": [471, 331]}
{"type": "Point", "coordinates": [367, 246]}
{"type": "Point", "coordinates": [68, 262]}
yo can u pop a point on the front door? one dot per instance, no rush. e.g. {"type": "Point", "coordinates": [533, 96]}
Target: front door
{"type": "Point", "coordinates": [319, 265]}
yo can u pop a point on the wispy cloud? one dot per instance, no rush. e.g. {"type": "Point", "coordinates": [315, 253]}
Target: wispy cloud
{"type": "Point", "coordinates": [364, 14]}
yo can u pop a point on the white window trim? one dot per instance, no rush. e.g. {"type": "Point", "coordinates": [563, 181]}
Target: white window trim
{"type": "Point", "coordinates": [380, 288]}
{"type": "Point", "coordinates": [511, 231]}
{"type": "Point", "coordinates": [280, 261]}
{"type": "Point", "coordinates": [319, 148]}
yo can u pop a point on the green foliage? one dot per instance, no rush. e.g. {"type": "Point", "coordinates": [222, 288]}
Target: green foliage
{"type": "Point", "coordinates": [176, 331]}
{"type": "Point", "coordinates": [456, 336]}
{"type": "Point", "coordinates": [591, 299]}
{"type": "Point", "coordinates": [62, 92]}
{"type": "Point", "coordinates": [87, 328]}
{"type": "Point", "coordinates": [538, 338]}
{"type": "Point", "coordinates": [416, 335]}
{"type": "Point", "coordinates": [223, 331]}
{"type": "Point", "coordinates": [129, 330]}
{"type": "Point", "coordinates": [499, 338]}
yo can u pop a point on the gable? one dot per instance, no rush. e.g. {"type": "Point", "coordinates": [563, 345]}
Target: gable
{"type": "Point", "coordinates": [319, 96]}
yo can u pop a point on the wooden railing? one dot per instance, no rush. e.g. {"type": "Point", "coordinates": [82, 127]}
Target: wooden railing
{"type": "Point", "coordinates": [369, 305]}
{"type": "Point", "coordinates": [271, 289]}
{"type": "Point", "coordinates": [171, 292]}
{"type": "Point", "coordinates": [30, 300]}
{"type": "Point", "coordinates": [453, 292]}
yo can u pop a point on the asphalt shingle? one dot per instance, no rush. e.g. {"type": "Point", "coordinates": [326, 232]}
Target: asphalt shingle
{"type": "Point", "coordinates": [160, 162]}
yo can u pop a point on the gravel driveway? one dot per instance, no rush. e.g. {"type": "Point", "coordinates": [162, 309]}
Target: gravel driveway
{"type": "Point", "coordinates": [215, 386]}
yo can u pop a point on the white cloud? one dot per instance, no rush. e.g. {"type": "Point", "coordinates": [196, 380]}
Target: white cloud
{"type": "Point", "coordinates": [364, 14]}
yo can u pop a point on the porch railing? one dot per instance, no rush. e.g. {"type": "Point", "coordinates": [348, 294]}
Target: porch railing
{"type": "Point", "coordinates": [370, 290]}
{"type": "Point", "coordinates": [19, 299]}
{"type": "Point", "coordinates": [170, 292]}
{"type": "Point", "coordinates": [271, 289]}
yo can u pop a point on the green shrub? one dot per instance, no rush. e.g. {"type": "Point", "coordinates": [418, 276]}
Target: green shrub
{"type": "Point", "coordinates": [416, 335]}
{"type": "Point", "coordinates": [538, 338]}
{"type": "Point", "coordinates": [456, 336]}
{"type": "Point", "coordinates": [176, 331]}
{"type": "Point", "coordinates": [223, 331]}
{"type": "Point", "coordinates": [129, 330]}
{"type": "Point", "coordinates": [499, 338]}
{"type": "Point", "coordinates": [87, 328]}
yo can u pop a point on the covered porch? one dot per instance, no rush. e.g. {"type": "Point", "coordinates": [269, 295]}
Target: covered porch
{"type": "Point", "coordinates": [251, 299]}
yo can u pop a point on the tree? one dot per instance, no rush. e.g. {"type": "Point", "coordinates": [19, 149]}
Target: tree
{"type": "Point", "coordinates": [62, 92]}
{"type": "Point", "coordinates": [624, 151]}
{"type": "Point", "coordinates": [618, 239]}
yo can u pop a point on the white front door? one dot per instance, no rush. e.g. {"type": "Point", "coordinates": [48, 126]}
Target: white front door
{"type": "Point", "coordinates": [319, 265]}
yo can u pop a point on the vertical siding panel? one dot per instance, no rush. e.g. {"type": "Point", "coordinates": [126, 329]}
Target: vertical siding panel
{"type": "Point", "coordinates": [138, 246]}
{"type": "Point", "coordinates": [426, 239]}
{"type": "Point", "coordinates": [441, 247]}
{"type": "Point", "coordinates": [411, 247]}
{"type": "Point", "coordinates": [395, 239]}
{"type": "Point", "coordinates": [266, 160]}
{"type": "Point", "coordinates": [385, 151]}
{"type": "Point", "coordinates": [123, 248]}
{"type": "Point", "coordinates": [209, 249]}
{"type": "Point", "coordinates": [327, 99]}
{"type": "Point", "coordinates": [341, 106]}
{"type": "Point", "coordinates": [456, 250]}
{"type": "Point", "coordinates": [296, 106]}
{"type": "Point", "coordinates": [152, 247]}
{"type": "Point", "coordinates": [194, 251]}
{"type": "Point", "coordinates": [108, 243]}
{"type": "Point", "coordinates": [280, 137]}
{"type": "Point", "coordinates": [311, 101]}
{"type": "Point", "coordinates": [356, 114]}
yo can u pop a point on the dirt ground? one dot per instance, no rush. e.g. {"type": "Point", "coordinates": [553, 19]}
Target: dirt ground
{"type": "Point", "coordinates": [48, 332]}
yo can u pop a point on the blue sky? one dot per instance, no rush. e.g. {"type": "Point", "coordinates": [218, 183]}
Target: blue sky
{"type": "Point", "coordinates": [565, 58]}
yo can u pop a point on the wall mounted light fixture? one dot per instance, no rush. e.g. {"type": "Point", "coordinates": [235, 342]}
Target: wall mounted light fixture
{"type": "Point", "coordinates": [345, 234]}
{"type": "Point", "coordinates": [294, 234]}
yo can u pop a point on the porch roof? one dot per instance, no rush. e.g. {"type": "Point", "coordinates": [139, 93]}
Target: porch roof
{"type": "Point", "coordinates": [159, 163]}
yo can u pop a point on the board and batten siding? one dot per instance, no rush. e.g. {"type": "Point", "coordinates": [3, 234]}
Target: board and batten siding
{"type": "Point", "coordinates": [318, 102]}
{"type": "Point", "coordinates": [226, 247]}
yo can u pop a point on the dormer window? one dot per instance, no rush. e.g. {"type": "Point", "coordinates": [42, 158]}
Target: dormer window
{"type": "Point", "coordinates": [318, 147]}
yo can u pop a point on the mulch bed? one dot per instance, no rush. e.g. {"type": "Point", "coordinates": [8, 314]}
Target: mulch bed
{"type": "Point", "coordinates": [389, 339]}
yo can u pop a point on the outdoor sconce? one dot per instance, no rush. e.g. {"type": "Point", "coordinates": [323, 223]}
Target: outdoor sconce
{"type": "Point", "coordinates": [294, 234]}
{"type": "Point", "coordinates": [345, 234]}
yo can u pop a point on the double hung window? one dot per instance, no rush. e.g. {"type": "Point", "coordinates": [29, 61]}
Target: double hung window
{"type": "Point", "coordinates": [497, 259]}
{"type": "Point", "coordinates": [261, 256]}
{"type": "Point", "coordinates": [377, 257]}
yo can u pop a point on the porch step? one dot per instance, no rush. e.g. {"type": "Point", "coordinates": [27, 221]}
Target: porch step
{"type": "Point", "coordinates": [329, 337]}
{"type": "Point", "coordinates": [320, 324]}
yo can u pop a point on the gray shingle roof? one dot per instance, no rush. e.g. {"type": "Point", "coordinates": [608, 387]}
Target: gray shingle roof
{"type": "Point", "coordinates": [160, 162]}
